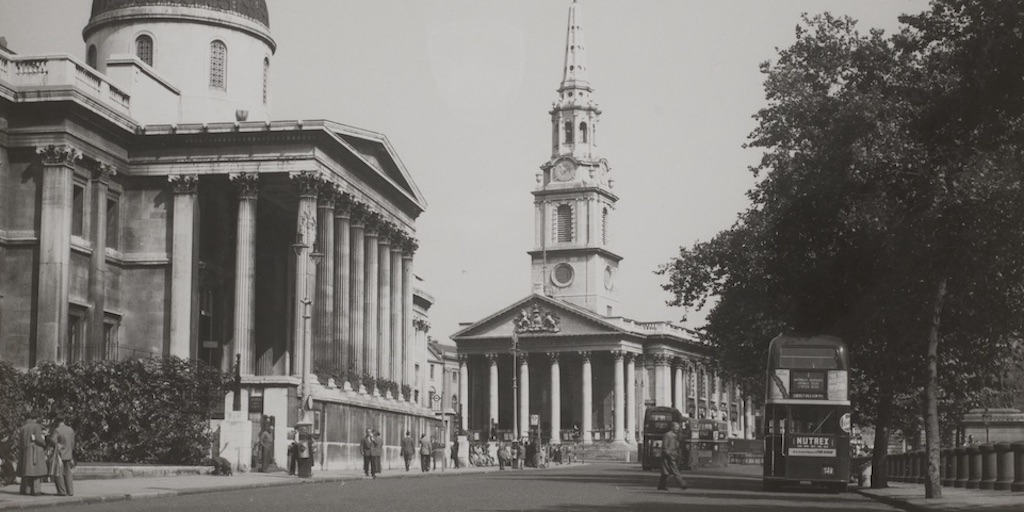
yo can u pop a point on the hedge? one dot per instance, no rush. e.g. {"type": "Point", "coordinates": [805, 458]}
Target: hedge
{"type": "Point", "coordinates": [144, 411]}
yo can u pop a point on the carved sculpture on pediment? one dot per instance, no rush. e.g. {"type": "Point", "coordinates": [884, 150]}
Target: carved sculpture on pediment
{"type": "Point", "coordinates": [537, 320]}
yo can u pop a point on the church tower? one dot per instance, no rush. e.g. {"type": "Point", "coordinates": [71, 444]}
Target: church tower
{"type": "Point", "coordinates": [573, 259]}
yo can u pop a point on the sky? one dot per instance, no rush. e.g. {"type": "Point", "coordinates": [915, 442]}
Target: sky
{"type": "Point", "coordinates": [462, 89]}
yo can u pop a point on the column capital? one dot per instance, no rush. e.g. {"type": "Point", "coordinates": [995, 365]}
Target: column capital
{"type": "Point", "coordinates": [59, 155]}
{"type": "Point", "coordinates": [328, 196]}
{"type": "Point", "coordinates": [618, 354]}
{"type": "Point", "coordinates": [103, 172]}
{"type": "Point", "coordinates": [463, 359]}
{"type": "Point", "coordinates": [585, 355]}
{"type": "Point", "coordinates": [409, 246]}
{"type": "Point", "coordinates": [492, 359]}
{"type": "Point", "coordinates": [248, 184]}
{"type": "Point", "coordinates": [373, 221]}
{"type": "Point", "coordinates": [309, 182]}
{"type": "Point", "coordinates": [385, 230]}
{"type": "Point", "coordinates": [184, 183]}
{"type": "Point", "coordinates": [525, 360]}
{"type": "Point", "coordinates": [553, 357]}
{"type": "Point", "coordinates": [343, 205]}
{"type": "Point", "coordinates": [660, 359]}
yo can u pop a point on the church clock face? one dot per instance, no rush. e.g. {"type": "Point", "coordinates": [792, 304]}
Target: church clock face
{"type": "Point", "coordinates": [564, 171]}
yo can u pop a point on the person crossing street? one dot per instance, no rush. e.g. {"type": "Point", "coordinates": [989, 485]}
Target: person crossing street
{"type": "Point", "coordinates": [670, 459]}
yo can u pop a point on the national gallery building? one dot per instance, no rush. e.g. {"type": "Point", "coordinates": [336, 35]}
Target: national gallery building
{"type": "Point", "coordinates": [150, 206]}
{"type": "Point", "coordinates": [564, 355]}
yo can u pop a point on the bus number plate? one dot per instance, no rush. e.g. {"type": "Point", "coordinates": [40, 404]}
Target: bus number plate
{"type": "Point", "coordinates": [828, 470]}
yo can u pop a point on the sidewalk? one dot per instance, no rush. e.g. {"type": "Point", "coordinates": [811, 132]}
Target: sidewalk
{"type": "Point", "coordinates": [119, 489]}
{"type": "Point", "coordinates": [911, 497]}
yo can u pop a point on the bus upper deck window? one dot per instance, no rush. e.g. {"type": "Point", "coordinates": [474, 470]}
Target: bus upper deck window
{"type": "Point", "coordinates": [808, 357]}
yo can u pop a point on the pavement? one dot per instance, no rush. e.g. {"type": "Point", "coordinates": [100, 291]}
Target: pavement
{"type": "Point", "coordinates": [137, 488]}
{"type": "Point", "coordinates": [910, 497]}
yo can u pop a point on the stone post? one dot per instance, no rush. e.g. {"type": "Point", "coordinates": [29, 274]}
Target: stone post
{"type": "Point", "coordinates": [245, 271]}
{"type": "Point", "coordinates": [323, 332]}
{"type": "Point", "coordinates": [1004, 467]}
{"type": "Point", "coordinates": [631, 405]}
{"type": "Point", "coordinates": [588, 400]}
{"type": "Point", "coordinates": [660, 376]}
{"type": "Point", "coordinates": [988, 467]}
{"type": "Point", "coordinates": [1018, 466]}
{"type": "Point", "coordinates": [357, 305]}
{"type": "Point", "coordinates": [947, 467]}
{"type": "Point", "coordinates": [962, 466]}
{"type": "Point", "coordinates": [183, 263]}
{"type": "Point", "coordinates": [408, 250]}
{"type": "Point", "coordinates": [97, 348]}
{"type": "Point", "coordinates": [974, 467]}
{"type": "Point", "coordinates": [556, 400]}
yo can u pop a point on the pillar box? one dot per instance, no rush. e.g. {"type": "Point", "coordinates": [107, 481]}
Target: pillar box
{"type": "Point", "coordinates": [988, 467]}
{"type": "Point", "coordinates": [1004, 466]}
{"type": "Point", "coordinates": [961, 466]}
{"type": "Point", "coordinates": [947, 467]}
{"type": "Point", "coordinates": [1018, 466]}
{"type": "Point", "coordinates": [974, 467]}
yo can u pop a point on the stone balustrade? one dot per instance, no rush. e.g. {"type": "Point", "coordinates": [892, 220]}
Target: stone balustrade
{"type": "Point", "coordinates": [986, 467]}
{"type": "Point", "coordinates": [62, 71]}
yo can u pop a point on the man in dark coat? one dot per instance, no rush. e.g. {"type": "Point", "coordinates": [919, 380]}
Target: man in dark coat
{"type": "Point", "coordinates": [670, 458]}
{"type": "Point", "coordinates": [32, 460]}
{"type": "Point", "coordinates": [425, 450]}
{"type": "Point", "coordinates": [408, 448]}
{"type": "Point", "coordinates": [66, 449]}
{"type": "Point", "coordinates": [367, 448]}
{"type": "Point", "coordinates": [266, 448]}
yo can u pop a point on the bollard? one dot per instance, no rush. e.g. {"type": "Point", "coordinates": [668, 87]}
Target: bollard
{"type": "Point", "coordinates": [1004, 466]}
{"type": "Point", "coordinates": [974, 467]}
{"type": "Point", "coordinates": [948, 467]}
{"type": "Point", "coordinates": [960, 453]}
{"type": "Point", "coordinates": [988, 467]}
{"type": "Point", "coordinates": [1018, 466]}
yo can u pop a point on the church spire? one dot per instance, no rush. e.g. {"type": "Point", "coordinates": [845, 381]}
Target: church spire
{"type": "Point", "coordinates": [575, 70]}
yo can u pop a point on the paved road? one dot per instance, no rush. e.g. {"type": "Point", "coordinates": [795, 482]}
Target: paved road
{"type": "Point", "coordinates": [599, 487]}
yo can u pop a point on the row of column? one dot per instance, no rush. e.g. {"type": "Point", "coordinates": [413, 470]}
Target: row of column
{"type": "Point", "coordinates": [624, 393]}
{"type": "Point", "coordinates": [360, 290]}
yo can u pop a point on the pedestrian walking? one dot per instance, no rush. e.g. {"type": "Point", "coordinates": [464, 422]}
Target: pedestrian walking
{"type": "Point", "coordinates": [455, 454]}
{"type": "Point", "coordinates": [670, 458]}
{"type": "Point", "coordinates": [504, 456]}
{"type": "Point", "coordinates": [378, 450]}
{"type": "Point", "coordinates": [65, 458]}
{"type": "Point", "coordinates": [367, 448]}
{"type": "Point", "coordinates": [32, 459]}
{"type": "Point", "coordinates": [424, 453]}
{"type": "Point", "coordinates": [408, 449]}
{"type": "Point", "coordinates": [266, 448]}
{"type": "Point", "coordinates": [293, 451]}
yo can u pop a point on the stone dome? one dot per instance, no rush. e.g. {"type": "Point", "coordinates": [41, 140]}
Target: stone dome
{"type": "Point", "coordinates": [255, 10]}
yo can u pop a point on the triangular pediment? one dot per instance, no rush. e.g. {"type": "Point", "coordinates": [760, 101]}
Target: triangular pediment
{"type": "Point", "coordinates": [536, 316]}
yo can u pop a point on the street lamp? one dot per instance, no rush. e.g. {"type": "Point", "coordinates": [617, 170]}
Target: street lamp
{"type": "Point", "coordinates": [300, 247]}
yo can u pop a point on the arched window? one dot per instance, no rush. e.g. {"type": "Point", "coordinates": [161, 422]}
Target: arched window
{"type": "Point", "coordinates": [568, 132]}
{"type": "Point", "coordinates": [583, 133]}
{"type": "Point", "coordinates": [90, 56]}
{"type": "Point", "coordinates": [604, 226]}
{"type": "Point", "coordinates": [564, 226]}
{"type": "Point", "coordinates": [218, 65]}
{"type": "Point", "coordinates": [266, 77]}
{"type": "Point", "coordinates": [144, 49]}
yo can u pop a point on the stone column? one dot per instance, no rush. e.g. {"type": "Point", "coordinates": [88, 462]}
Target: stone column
{"type": "Point", "coordinates": [384, 301]}
{"type": "Point", "coordinates": [323, 317]}
{"type": "Point", "coordinates": [524, 395]}
{"type": "Point", "coordinates": [342, 282]}
{"type": "Point", "coordinates": [357, 305]}
{"type": "Point", "coordinates": [556, 400]}
{"type": "Point", "coordinates": [631, 405]}
{"type": "Point", "coordinates": [661, 396]}
{"type": "Point", "coordinates": [684, 372]}
{"type": "Point", "coordinates": [588, 399]}
{"type": "Point", "coordinates": [619, 398]}
{"type": "Point", "coordinates": [677, 395]}
{"type": "Point", "coordinates": [695, 388]}
{"type": "Point", "coordinates": [464, 391]}
{"type": "Point", "coordinates": [492, 365]}
{"type": "Point", "coordinates": [308, 183]}
{"type": "Point", "coordinates": [718, 395]}
{"type": "Point", "coordinates": [748, 411]}
{"type": "Point", "coordinates": [370, 340]}
{"type": "Point", "coordinates": [245, 272]}
{"type": "Point", "coordinates": [705, 377]}
{"type": "Point", "coordinates": [408, 250]}
{"type": "Point", "coordinates": [397, 343]}
{"type": "Point", "coordinates": [183, 263]}
{"type": "Point", "coordinates": [96, 348]}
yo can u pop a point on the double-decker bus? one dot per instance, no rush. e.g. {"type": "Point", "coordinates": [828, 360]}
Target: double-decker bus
{"type": "Point", "coordinates": [807, 413]}
{"type": "Point", "coordinates": [657, 421]}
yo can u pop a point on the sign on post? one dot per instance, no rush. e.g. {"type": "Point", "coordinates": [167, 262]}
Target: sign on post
{"type": "Point", "coordinates": [534, 420]}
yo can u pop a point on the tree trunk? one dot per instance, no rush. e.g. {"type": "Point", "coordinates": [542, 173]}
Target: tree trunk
{"type": "Point", "coordinates": [932, 485]}
{"type": "Point", "coordinates": [879, 477]}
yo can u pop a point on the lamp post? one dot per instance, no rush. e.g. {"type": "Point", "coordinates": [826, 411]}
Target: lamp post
{"type": "Point", "coordinates": [300, 247]}
{"type": "Point", "coordinates": [985, 419]}
{"type": "Point", "coordinates": [515, 382]}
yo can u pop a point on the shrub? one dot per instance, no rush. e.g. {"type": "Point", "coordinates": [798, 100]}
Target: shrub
{"type": "Point", "coordinates": [153, 411]}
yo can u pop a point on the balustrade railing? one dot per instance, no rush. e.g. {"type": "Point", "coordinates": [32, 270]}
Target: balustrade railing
{"type": "Point", "coordinates": [55, 71]}
{"type": "Point", "coordinates": [986, 467]}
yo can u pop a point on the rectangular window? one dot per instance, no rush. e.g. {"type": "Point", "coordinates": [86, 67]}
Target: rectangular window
{"type": "Point", "coordinates": [113, 222]}
{"type": "Point", "coordinates": [110, 343]}
{"type": "Point", "coordinates": [808, 357]}
{"type": "Point", "coordinates": [431, 372]}
{"type": "Point", "coordinates": [74, 349]}
{"type": "Point", "coordinates": [78, 210]}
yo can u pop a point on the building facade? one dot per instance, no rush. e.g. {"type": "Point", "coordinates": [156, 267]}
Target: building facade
{"type": "Point", "coordinates": [564, 356]}
{"type": "Point", "coordinates": [150, 207]}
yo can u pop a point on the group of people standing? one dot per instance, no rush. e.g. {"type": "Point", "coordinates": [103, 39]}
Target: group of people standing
{"type": "Point", "coordinates": [372, 447]}
{"type": "Point", "coordinates": [409, 450]}
{"type": "Point", "coordinates": [45, 453]}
